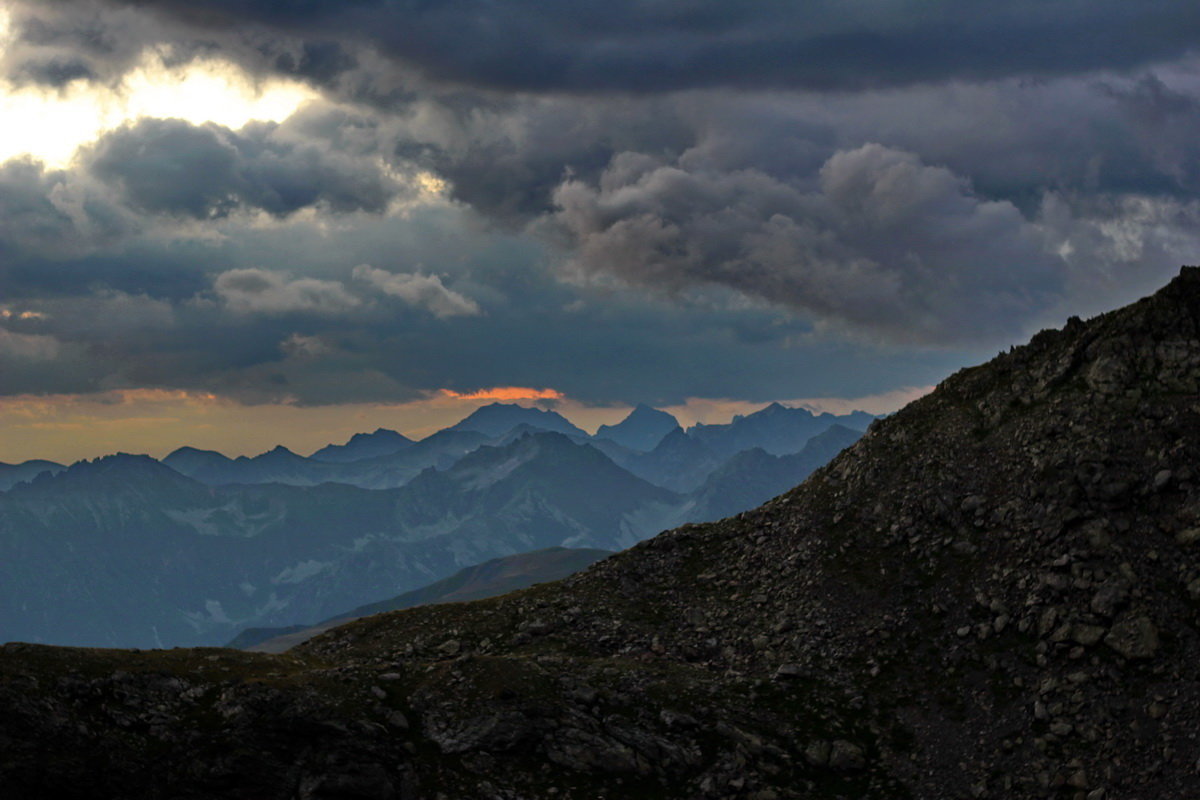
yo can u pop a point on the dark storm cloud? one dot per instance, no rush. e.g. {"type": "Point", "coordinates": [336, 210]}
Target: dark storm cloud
{"type": "Point", "coordinates": [1008, 166]}
{"type": "Point", "coordinates": [208, 171]}
{"type": "Point", "coordinates": [885, 243]}
{"type": "Point", "coordinates": [656, 45]}
{"type": "Point", "coordinates": [1163, 122]}
{"type": "Point", "coordinates": [61, 228]}
{"type": "Point", "coordinates": [505, 158]}
{"type": "Point", "coordinates": [55, 43]}
{"type": "Point", "coordinates": [385, 308]}
{"type": "Point", "coordinates": [54, 212]}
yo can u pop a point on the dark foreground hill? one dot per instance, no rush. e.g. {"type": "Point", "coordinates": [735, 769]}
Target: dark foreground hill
{"type": "Point", "coordinates": [489, 579]}
{"type": "Point", "coordinates": [994, 594]}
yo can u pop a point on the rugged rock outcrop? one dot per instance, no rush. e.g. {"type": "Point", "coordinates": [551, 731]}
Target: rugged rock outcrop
{"type": "Point", "coordinates": [995, 593]}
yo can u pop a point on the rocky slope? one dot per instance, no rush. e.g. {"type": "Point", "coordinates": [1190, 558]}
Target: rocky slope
{"type": "Point", "coordinates": [489, 579]}
{"type": "Point", "coordinates": [995, 593]}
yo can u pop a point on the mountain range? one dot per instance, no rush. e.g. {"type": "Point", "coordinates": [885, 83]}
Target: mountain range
{"type": "Point", "coordinates": [993, 594]}
{"type": "Point", "coordinates": [129, 551]}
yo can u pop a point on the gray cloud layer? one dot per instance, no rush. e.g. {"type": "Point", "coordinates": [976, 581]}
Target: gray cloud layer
{"type": "Point", "coordinates": [171, 166]}
{"type": "Point", "coordinates": [884, 244]}
{"type": "Point", "coordinates": [942, 185]}
{"type": "Point", "coordinates": [652, 45]}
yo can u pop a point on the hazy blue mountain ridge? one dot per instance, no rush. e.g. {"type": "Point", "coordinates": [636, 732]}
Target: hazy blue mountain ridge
{"type": "Point", "coordinates": [12, 474]}
{"type": "Point", "coordinates": [642, 430]}
{"type": "Point", "coordinates": [680, 462]}
{"type": "Point", "coordinates": [361, 446]}
{"type": "Point", "coordinates": [496, 419]}
{"type": "Point", "coordinates": [126, 550]}
{"type": "Point", "coordinates": [752, 477]}
{"type": "Point", "coordinates": [777, 429]}
{"type": "Point", "coordinates": [283, 466]}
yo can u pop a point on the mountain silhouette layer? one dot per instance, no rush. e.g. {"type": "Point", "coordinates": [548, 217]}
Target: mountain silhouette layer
{"type": "Point", "coordinates": [995, 593]}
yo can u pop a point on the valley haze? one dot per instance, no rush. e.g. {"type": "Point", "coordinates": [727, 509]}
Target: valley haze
{"type": "Point", "coordinates": [130, 551]}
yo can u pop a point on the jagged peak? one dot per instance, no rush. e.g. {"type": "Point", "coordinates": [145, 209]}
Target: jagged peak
{"type": "Point", "coordinates": [116, 464]}
{"type": "Point", "coordinates": [121, 459]}
{"type": "Point", "coordinates": [276, 453]}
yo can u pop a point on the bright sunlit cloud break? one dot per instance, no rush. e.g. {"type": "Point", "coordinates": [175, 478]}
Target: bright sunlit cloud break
{"type": "Point", "coordinates": [54, 123]}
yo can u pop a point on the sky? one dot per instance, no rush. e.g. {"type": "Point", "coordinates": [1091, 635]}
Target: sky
{"type": "Point", "coordinates": [241, 224]}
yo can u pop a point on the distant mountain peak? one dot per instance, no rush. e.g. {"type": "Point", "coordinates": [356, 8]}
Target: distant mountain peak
{"type": "Point", "coordinates": [497, 419]}
{"type": "Point", "coordinates": [643, 429]}
{"type": "Point", "coordinates": [188, 450]}
{"type": "Point", "coordinates": [361, 446]}
{"type": "Point", "coordinates": [277, 452]}
{"type": "Point", "coordinates": [777, 409]}
{"type": "Point", "coordinates": [118, 471]}
{"type": "Point", "coordinates": [123, 459]}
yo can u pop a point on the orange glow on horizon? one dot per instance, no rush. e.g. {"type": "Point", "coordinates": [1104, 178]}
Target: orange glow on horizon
{"type": "Point", "coordinates": [67, 427]}
{"type": "Point", "coordinates": [507, 393]}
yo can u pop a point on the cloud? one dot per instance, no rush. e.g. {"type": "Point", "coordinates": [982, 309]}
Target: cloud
{"type": "Point", "coordinates": [263, 291]}
{"type": "Point", "coordinates": [647, 45]}
{"type": "Point", "coordinates": [56, 44]}
{"type": "Point", "coordinates": [421, 291]}
{"type": "Point", "coordinates": [884, 243]}
{"type": "Point", "coordinates": [53, 44]}
{"type": "Point", "coordinates": [297, 345]}
{"type": "Point", "coordinates": [1163, 120]}
{"type": "Point", "coordinates": [157, 177]}
{"type": "Point", "coordinates": [27, 347]}
{"type": "Point", "coordinates": [208, 171]}
{"type": "Point", "coordinates": [55, 212]}
{"type": "Point", "coordinates": [796, 235]}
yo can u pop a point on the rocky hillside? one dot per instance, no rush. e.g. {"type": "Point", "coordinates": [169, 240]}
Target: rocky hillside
{"type": "Point", "coordinates": [994, 594]}
{"type": "Point", "coordinates": [489, 579]}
